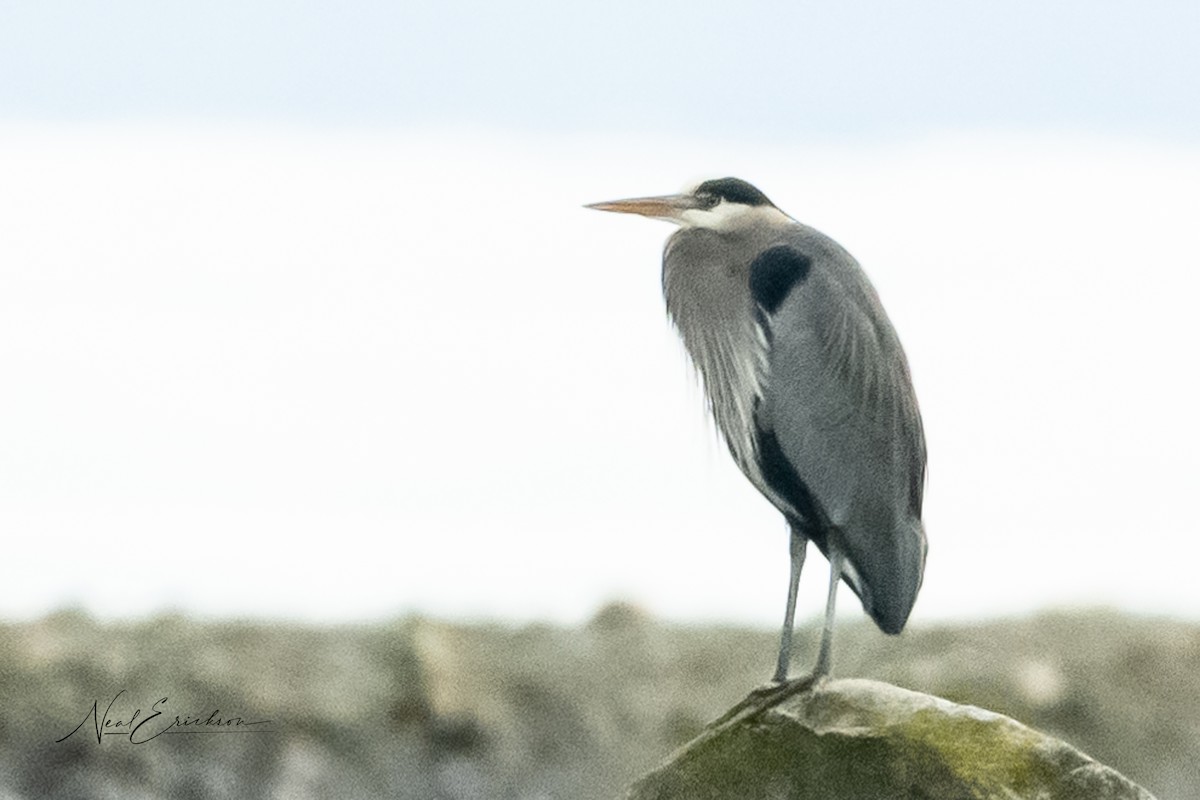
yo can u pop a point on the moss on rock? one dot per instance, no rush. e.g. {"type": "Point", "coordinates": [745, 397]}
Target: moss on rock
{"type": "Point", "coordinates": [859, 739]}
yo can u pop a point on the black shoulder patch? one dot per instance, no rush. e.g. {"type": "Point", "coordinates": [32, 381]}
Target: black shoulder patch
{"type": "Point", "coordinates": [774, 273]}
{"type": "Point", "coordinates": [734, 190]}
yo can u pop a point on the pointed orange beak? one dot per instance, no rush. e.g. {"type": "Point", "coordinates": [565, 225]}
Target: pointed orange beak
{"type": "Point", "coordinates": [665, 207]}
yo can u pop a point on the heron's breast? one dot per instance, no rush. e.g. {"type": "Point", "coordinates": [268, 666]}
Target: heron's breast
{"type": "Point", "coordinates": [708, 298]}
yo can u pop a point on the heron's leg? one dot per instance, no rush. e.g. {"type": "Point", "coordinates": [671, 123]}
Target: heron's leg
{"type": "Point", "coordinates": [799, 545]}
{"type": "Point", "coordinates": [835, 578]}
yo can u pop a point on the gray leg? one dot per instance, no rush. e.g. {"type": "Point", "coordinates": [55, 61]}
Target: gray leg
{"type": "Point", "coordinates": [835, 578]}
{"type": "Point", "coordinates": [799, 545]}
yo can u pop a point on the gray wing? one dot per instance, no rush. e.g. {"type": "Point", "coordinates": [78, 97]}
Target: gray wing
{"type": "Point", "coordinates": [839, 431]}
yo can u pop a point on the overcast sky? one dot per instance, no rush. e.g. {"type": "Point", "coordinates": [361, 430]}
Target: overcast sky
{"type": "Point", "coordinates": [782, 72]}
{"type": "Point", "coordinates": [300, 314]}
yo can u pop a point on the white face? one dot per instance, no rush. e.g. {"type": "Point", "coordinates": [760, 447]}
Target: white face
{"type": "Point", "coordinates": [726, 215]}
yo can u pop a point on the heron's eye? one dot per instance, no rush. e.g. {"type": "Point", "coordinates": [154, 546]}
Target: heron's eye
{"type": "Point", "coordinates": [709, 201]}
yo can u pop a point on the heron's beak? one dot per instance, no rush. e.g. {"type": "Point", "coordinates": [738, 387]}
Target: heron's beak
{"type": "Point", "coordinates": [669, 206]}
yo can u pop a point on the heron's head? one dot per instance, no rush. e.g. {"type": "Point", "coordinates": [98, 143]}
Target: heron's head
{"type": "Point", "coordinates": [719, 204]}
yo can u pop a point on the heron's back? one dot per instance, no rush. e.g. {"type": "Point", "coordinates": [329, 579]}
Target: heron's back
{"type": "Point", "coordinates": [812, 392]}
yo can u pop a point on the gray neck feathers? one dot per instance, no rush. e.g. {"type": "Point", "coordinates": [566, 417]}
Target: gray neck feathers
{"type": "Point", "coordinates": [708, 299]}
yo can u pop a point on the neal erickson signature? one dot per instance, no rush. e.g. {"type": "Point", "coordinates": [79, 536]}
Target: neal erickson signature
{"type": "Point", "coordinates": [140, 728]}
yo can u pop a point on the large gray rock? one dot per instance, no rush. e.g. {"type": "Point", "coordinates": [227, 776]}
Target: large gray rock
{"type": "Point", "coordinates": [843, 739]}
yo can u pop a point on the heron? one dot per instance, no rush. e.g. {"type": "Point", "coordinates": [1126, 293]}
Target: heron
{"type": "Point", "coordinates": [809, 388]}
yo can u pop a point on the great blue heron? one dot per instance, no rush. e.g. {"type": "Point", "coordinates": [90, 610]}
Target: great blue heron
{"type": "Point", "coordinates": [809, 387]}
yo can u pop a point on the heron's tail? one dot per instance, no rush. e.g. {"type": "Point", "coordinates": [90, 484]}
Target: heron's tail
{"type": "Point", "coordinates": [889, 572]}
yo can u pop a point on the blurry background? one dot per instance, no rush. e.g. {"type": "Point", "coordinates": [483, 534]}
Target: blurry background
{"type": "Point", "coordinates": [301, 315]}
{"type": "Point", "coordinates": [301, 318]}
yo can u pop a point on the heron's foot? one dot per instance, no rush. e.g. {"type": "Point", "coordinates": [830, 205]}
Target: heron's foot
{"type": "Point", "coordinates": [777, 691]}
{"type": "Point", "coordinates": [767, 695]}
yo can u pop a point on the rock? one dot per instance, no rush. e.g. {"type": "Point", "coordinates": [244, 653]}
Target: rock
{"type": "Point", "coordinates": [844, 739]}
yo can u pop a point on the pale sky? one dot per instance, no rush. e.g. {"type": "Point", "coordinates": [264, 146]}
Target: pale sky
{"type": "Point", "coordinates": [302, 316]}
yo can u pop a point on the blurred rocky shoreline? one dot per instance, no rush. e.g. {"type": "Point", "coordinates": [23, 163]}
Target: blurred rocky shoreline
{"type": "Point", "coordinates": [422, 708]}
